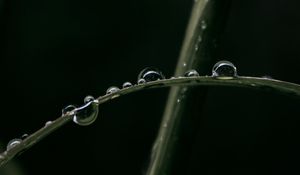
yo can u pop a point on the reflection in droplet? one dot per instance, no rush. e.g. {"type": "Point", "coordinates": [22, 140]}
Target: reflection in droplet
{"type": "Point", "coordinates": [224, 70]}
{"type": "Point", "coordinates": [12, 143]}
{"type": "Point", "coordinates": [151, 74]}
{"type": "Point", "coordinates": [191, 73]}
{"type": "Point", "coordinates": [112, 89]}
{"type": "Point", "coordinates": [88, 113]}
{"type": "Point", "coordinates": [141, 81]}
{"type": "Point", "coordinates": [126, 85]}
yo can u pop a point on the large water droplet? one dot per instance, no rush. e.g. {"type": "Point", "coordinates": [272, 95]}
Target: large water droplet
{"type": "Point", "coordinates": [88, 113]}
{"type": "Point", "coordinates": [12, 143]}
{"type": "Point", "coordinates": [141, 81]}
{"type": "Point", "coordinates": [68, 109]}
{"type": "Point", "coordinates": [224, 70]}
{"type": "Point", "coordinates": [112, 89]}
{"type": "Point", "coordinates": [151, 74]}
{"type": "Point", "coordinates": [191, 73]}
{"type": "Point", "coordinates": [126, 85]}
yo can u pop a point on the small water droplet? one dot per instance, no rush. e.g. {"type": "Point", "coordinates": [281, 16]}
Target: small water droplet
{"type": "Point", "coordinates": [68, 109]}
{"type": "Point", "coordinates": [151, 74]}
{"type": "Point", "coordinates": [112, 89]}
{"type": "Point", "coordinates": [12, 143]}
{"type": "Point", "coordinates": [184, 64]}
{"type": "Point", "coordinates": [88, 113]}
{"type": "Point", "coordinates": [24, 136]}
{"type": "Point", "coordinates": [203, 25]}
{"type": "Point", "coordinates": [267, 77]}
{"type": "Point", "coordinates": [191, 73]}
{"type": "Point", "coordinates": [48, 123]}
{"type": "Point", "coordinates": [199, 39]}
{"type": "Point", "coordinates": [224, 70]}
{"type": "Point", "coordinates": [141, 81]}
{"type": "Point", "coordinates": [88, 98]}
{"type": "Point", "coordinates": [196, 47]}
{"type": "Point", "coordinates": [126, 85]}
{"type": "Point", "coordinates": [178, 100]}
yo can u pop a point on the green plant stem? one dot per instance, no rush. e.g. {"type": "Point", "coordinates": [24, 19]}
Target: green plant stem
{"type": "Point", "coordinates": [250, 82]}
{"type": "Point", "coordinates": [207, 21]}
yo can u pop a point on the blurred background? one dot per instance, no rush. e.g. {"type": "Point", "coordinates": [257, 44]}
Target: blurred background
{"type": "Point", "coordinates": [54, 53]}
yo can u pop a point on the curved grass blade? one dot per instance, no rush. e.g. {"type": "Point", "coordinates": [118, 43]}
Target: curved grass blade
{"type": "Point", "coordinates": [248, 82]}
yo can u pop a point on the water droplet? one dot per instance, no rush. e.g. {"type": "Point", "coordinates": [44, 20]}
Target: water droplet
{"type": "Point", "coordinates": [196, 47]}
{"type": "Point", "coordinates": [112, 89]}
{"type": "Point", "coordinates": [184, 64]}
{"type": "Point", "coordinates": [24, 136]}
{"type": "Point", "coordinates": [191, 73]}
{"type": "Point", "coordinates": [68, 109]}
{"type": "Point", "coordinates": [178, 100]}
{"type": "Point", "coordinates": [141, 81]}
{"type": "Point", "coordinates": [88, 98]}
{"type": "Point", "coordinates": [126, 85]}
{"type": "Point", "coordinates": [224, 70]}
{"type": "Point", "coordinates": [48, 123]}
{"type": "Point", "coordinates": [88, 113]}
{"type": "Point", "coordinates": [151, 74]}
{"type": "Point", "coordinates": [199, 39]}
{"type": "Point", "coordinates": [13, 143]}
{"type": "Point", "coordinates": [203, 25]}
{"type": "Point", "coordinates": [267, 77]}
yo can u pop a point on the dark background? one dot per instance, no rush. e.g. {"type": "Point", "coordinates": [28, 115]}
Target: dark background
{"type": "Point", "coordinates": [54, 53]}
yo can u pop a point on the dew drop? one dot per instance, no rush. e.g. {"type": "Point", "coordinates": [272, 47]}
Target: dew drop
{"type": "Point", "coordinates": [224, 70]}
{"type": "Point", "coordinates": [141, 81]}
{"type": "Point", "coordinates": [126, 85]}
{"type": "Point", "coordinates": [267, 77]}
{"type": "Point", "coordinates": [68, 109]}
{"type": "Point", "coordinates": [88, 113]}
{"type": "Point", "coordinates": [12, 143]}
{"type": "Point", "coordinates": [191, 73]}
{"type": "Point", "coordinates": [48, 123]}
{"type": "Point", "coordinates": [203, 25]}
{"type": "Point", "coordinates": [196, 47]}
{"type": "Point", "coordinates": [151, 74]}
{"type": "Point", "coordinates": [24, 136]}
{"type": "Point", "coordinates": [199, 39]}
{"type": "Point", "coordinates": [112, 89]}
{"type": "Point", "coordinates": [184, 64]}
{"type": "Point", "coordinates": [88, 98]}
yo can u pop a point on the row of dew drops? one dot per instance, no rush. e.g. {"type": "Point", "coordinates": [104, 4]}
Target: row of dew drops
{"type": "Point", "coordinates": [87, 113]}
